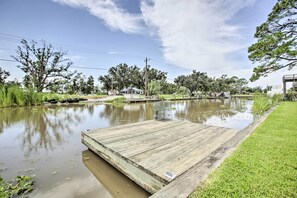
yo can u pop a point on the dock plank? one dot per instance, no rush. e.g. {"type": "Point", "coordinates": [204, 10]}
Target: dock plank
{"type": "Point", "coordinates": [145, 151]}
{"type": "Point", "coordinates": [155, 130]}
{"type": "Point", "coordinates": [151, 141]}
{"type": "Point", "coordinates": [181, 164]}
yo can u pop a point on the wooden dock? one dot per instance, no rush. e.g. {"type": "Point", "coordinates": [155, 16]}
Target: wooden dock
{"type": "Point", "coordinates": [155, 153]}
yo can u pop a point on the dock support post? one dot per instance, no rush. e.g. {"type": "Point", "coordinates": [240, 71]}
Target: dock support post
{"type": "Point", "coordinates": [284, 89]}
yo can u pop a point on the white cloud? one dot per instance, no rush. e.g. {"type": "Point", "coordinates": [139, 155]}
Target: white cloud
{"type": "Point", "coordinates": [113, 52]}
{"type": "Point", "coordinates": [274, 78]}
{"type": "Point", "coordinates": [196, 34]}
{"type": "Point", "coordinates": [114, 17]}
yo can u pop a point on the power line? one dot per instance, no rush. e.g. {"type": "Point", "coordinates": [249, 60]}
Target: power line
{"type": "Point", "coordinates": [146, 77]}
{"type": "Point", "coordinates": [16, 38]}
{"type": "Point", "coordinates": [79, 67]}
{"type": "Point", "coordinates": [2, 59]}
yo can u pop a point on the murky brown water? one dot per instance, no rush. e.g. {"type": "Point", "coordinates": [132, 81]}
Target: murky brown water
{"type": "Point", "coordinates": [45, 141]}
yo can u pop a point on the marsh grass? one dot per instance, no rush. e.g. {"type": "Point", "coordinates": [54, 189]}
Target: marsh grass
{"type": "Point", "coordinates": [263, 103]}
{"type": "Point", "coordinates": [117, 101]}
{"type": "Point", "coordinates": [16, 96]}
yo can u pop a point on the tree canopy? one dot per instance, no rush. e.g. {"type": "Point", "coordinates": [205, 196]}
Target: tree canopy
{"type": "Point", "coordinates": [276, 45]}
{"type": "Point", "coordinates": [122, 76]}
{"type": "Point", "coordinates": [41, 64]}
{"type": "Point", "coordinates": [3, 75]}
{"type": "Point", "coordinates": [201, 82]}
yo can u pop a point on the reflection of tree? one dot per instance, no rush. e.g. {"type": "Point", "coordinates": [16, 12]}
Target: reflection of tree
{"type": "Point", "coordinates": [201, 110]}
{"type": "Point", "coordinates": [193, 110]}
{"type": "Point", "coordinates": [128, 113]}
{"type": "Point", "coordinates": [43, 126]}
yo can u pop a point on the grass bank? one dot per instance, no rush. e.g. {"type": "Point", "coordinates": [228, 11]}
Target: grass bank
{"type": "Point", "coordinates": [265, 163]}
{"type": "Point", "coordinates": [173, 96]}
{"type": "Point", "coordinates": [118, 100]}
{"type": "Point", "coordinates": [263, 102]}
{"type": "Point", "coordinates": [17, 96]}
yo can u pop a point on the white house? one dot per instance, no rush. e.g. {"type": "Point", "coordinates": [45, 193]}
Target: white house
{"type": "Point", "coordinates": [131, 92]}
{"type": "Point", "coordinates": [275, 89]}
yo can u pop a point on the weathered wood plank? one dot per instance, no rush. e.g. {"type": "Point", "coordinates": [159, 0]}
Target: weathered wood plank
{"type": "Point", "coordinates": [128, 128]}
{"type": "Point", "coordinates": [151, 141]}
{"type": "Point", "coordinates": [151, 130]}
{"type": "Point", "coordinates": [173, 158]}
{"type": "Point", "coordinates": [174, 148]}
{"type": "Point", "coordinates": [139, 176]}
{"type": "Point", "coordinates": [145, 151]}
{"type": "Point", "coordinates": [181, 164]}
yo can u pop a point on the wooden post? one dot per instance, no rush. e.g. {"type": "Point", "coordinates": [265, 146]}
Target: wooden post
{"type": "Point", "coordinates": [284, 88]}
{"type": "Point", "coordinates": [146, 77]}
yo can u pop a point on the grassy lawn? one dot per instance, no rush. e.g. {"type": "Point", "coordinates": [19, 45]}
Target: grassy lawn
{"type": "Point", "coordinates": [265, 164]}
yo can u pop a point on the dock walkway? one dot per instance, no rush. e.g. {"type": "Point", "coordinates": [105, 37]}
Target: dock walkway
{"type": "Point", "coordinates": [155, 153]}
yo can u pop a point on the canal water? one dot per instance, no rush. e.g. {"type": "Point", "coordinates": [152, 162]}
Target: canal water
{"type": "Point", "coordinates": [45, 141]}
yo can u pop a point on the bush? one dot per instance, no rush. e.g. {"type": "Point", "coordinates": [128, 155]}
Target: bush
{"type": "Point", "coordinates": [263, 103]}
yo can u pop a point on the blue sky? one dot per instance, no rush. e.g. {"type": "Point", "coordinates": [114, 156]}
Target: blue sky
{"type": "Point", "coordinates": [177, 36]}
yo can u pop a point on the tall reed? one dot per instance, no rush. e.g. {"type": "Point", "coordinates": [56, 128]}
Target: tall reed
{"type": "Point", "coordinates": [17, 96]}
{"type": "Point", "coordinates": [263, 102]}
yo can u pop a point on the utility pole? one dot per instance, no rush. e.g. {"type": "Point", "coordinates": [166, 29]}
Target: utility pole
{"type": "Point", "coordinates": [146, 76]}
{"type": "Point", "coordinates": [112, 86]}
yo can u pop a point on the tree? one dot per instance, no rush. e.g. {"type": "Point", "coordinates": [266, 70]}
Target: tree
{"type": "Point", "coordinates": [169, 88]}
{"type": "Point", "coordinates": [276, 45]}
{"type": "Point", "coordinates": [90, 85]}
{"type": "Point", "coordinates": [197, 81]}
{"type": "Point", "coordinates": [41, 64]}
{"type": "Point", "coordinates": [106, 81]}
{"type": "Point", "coordinates": [153, 74]}
{"type": "Point", "coordinates": [3, 75]}
{"type": "Point", "coordinates": [154, 87]}
{"type": "Point", "coordinates": [122, 76]}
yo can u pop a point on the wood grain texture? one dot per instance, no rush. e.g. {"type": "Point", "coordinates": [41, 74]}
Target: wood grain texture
{"type": "Point", "coordinates": [146, 151]}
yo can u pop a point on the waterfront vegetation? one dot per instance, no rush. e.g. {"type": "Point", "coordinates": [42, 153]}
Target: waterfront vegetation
{"type": "Point", "coordinates": [265, 163]}
{"type": "Point", "coordinates": [263, 102]}
{"type": "Point", "coordinates": [17, 96]}
{"type": "Point", "coordinates": [21, 186]}
{"type": "Point", "coordinates": [117, 101]}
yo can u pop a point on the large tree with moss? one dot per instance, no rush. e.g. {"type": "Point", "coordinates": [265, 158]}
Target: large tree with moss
{"type": "Point", "coordinates": [42, 64]}
{"type": "Point", "coordinates": [277, 40]}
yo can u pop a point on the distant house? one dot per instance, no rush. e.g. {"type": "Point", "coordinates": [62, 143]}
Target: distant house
{"type": "Point", "coordinates": [275, 89]}
{"type": "Point", "coordinates": [131, 92]}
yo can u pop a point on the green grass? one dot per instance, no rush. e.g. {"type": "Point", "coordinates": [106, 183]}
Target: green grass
{"type": "Point", "coordinates": [17, 96]}
{"type": "Point", "coordinates": [118, 100]}
{"type": "Point", "coordinates": [265, 164]}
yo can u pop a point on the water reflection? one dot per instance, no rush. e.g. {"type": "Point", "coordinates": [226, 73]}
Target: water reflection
{"type": "Point", "coordinates": [114, 181]}
{"type": "Point", "coordinates": [47, 139]}
{"type": "Point", "coordinates": [42, 126]}
{"type": "Point", "coordinates": [127, 113]}
{"type": "Point", "coordinates": [201, 111]}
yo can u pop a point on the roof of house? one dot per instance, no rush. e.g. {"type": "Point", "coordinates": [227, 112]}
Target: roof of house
{"type": "Point", "coordinates": [130, 88]}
